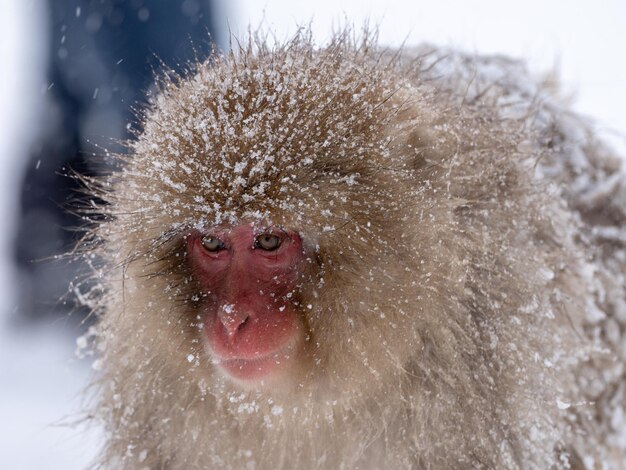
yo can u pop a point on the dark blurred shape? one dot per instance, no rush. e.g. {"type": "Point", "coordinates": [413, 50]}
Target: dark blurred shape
{"type": "Point", "coordinates": [103, 55]}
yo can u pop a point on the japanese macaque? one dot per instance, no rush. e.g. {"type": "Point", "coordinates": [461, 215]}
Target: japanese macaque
{"type": "Point", "coordinates": [347, 257]}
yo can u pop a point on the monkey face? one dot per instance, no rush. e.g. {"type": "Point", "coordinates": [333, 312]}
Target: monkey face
{"type": "Point", "coordinates": [249, 280]}
{"type": "Point", "coordinates": [318, 158]}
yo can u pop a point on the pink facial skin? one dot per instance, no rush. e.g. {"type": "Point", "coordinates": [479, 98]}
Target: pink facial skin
{"type": "Point", "coordinates": [251, 324]}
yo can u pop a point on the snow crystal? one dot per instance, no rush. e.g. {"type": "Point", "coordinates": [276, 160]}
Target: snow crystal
{"type": "Point", "coordinates": [547, 274]}
{"type": "Point", "coordinates": [562, 405]}
{"type": "Point", "coordinates": [248, 408]}
{"type": "Point", "coordinates": [81, 342]}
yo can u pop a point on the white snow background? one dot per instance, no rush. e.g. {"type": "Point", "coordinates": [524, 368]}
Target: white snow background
{"type": "Point", "coordinates": [40, 380]}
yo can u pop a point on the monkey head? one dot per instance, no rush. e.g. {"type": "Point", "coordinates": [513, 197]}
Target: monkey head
{"type": "Point", "coordinates": [265, 201]}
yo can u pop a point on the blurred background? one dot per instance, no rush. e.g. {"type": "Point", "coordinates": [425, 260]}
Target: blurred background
{"type": "Point", "coordinates": [71, 73]}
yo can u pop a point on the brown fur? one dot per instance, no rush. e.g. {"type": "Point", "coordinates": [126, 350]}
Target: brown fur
{"type": "Point", "coordinates": [447, 323]}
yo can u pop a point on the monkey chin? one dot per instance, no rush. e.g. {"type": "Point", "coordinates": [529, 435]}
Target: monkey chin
{"type": "Point", "coordinates": [259, 371]}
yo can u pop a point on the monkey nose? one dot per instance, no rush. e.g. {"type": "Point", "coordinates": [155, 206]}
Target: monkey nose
{"type": "Point", "coordinates": [232, 319]}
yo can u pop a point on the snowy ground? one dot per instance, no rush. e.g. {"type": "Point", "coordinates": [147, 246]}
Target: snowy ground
{"type": "Point", "coordinates": [40, 381]}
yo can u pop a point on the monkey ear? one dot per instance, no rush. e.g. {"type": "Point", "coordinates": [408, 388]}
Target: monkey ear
{"type": "Point", "coordinates": [415, 149]}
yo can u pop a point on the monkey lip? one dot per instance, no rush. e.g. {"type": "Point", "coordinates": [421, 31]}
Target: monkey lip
{"type": "Point", "coordinates": [251, 369]}
{"type": "Point", "coordinates": [256, 368]}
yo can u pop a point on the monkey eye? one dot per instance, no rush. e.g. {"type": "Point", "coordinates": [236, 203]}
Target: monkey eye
{"type": "Point", "coordinates": [212, 244]}
{"type": "Point", "coordinates": [267, 242]}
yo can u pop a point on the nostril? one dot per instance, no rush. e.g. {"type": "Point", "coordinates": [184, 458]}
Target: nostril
{"type": "Point", "coordinates": [243, 323]}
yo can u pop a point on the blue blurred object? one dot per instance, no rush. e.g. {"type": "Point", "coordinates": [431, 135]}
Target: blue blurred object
{"type": "Point", "coordinates": [102, 60]}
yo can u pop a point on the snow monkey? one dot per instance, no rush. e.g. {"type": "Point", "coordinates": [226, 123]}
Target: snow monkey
{"type": "Point", "coordinates": [342, 256]}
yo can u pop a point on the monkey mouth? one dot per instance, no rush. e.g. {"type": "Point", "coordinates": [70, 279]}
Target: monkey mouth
{"type": "Point", "coordinates": [258, 368]}
{"type": "Point", "coordinates": [252, 369]}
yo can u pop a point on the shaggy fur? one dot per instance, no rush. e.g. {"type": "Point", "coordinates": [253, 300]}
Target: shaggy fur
{"type": "Point", "coordinates": [467, 302]}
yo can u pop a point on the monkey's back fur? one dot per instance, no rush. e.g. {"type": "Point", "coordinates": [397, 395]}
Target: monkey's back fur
{"type": "Point", "coordinates": [469, 231]}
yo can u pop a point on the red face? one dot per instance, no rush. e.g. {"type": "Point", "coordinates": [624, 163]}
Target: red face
{"type": "Point", "coordinates": [249, 279]}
